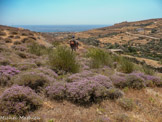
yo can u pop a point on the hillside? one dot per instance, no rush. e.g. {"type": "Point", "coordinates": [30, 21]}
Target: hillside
{"type": "Point", "coordinates": [42, 78]}
{"type": "Point", "coordinates": [142, 39]}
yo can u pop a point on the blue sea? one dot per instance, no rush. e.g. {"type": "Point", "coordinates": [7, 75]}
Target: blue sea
{"type": "Point", "coordinates": [60, 28]}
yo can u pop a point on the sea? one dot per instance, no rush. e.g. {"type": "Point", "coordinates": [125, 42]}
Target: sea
{"type": "Point", "coordinates": [59, 28]}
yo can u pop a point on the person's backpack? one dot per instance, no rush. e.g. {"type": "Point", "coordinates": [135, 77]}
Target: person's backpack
{"type": "Point", "coordinates": [72, 42]}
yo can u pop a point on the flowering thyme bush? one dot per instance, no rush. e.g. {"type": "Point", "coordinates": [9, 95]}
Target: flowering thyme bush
{"type": "Point", "coordinates": [19, 100]}
{"type": "Point", "coordinates": [78, 76]}
{"type": "Point", "coordinates": [149, 80]}
{"type": "Point", "coordinates": [46, 71]}
{"type": "Point", "coordinates": [56, 91]}
{"type": "Point", "coordinates": [85, 91]}
{"type": "Point", "coordinates": [135, 82]}
{"type": "Point", "coordinates": [6, 72]}
{"type": "Point", "coordinates": [87, 75]}
{"type": "Point", "coordinates": [102, 80]}
{"type": "Point", "coordinates": [155, 80]}
{"type": "Point", "coordinates": [25, 65]}
{"type": "Point", "coordinates": [33, 79]}
{"type": "Point", "coordinates": [119, 81]}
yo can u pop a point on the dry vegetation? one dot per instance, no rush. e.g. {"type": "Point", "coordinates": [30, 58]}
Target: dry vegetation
{"type": "Point", "coordinates": [100, 86]}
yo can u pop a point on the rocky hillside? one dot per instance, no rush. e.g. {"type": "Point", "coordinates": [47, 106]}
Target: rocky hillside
{"type": "Point", "coordinates": [42, 78]}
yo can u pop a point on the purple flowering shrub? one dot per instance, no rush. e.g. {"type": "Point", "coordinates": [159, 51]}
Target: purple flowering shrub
{"type": "Point", "coordinates": [85, 63]}
{"type": "Point", "coordinates": [85, 91]}
{"type": "Point", "coordinates": [78, 76]}
{"type": "Point", "coordinates": [56, 91]}
{"type": "Point", "coordinates": [155, 80]}
{"type": "Point", "coordinates": [88, 75]}
{"type": "Point", "coordinates": [102, 80]}
{"type": "Point", "coordinates": [85, 67]}
{"type": "Point", "coordinates": [25, 65]}
{"type": "Point", "coordinates": [119, 81]}
{"type": "Point", "coordinates": [19, 100]}
{"type": "Point", "coordinates": [6, 72]}
{"type": "Point", "coordinates": [149, 80]}
{"type": "Point", "coordinates": [135, 82]}
{"type": "Point", "coordinates": [46, 71]}
{"type": "Point", "coordinates": [130, 80]}
{"type": "Point", "coordinates": [34, 80]}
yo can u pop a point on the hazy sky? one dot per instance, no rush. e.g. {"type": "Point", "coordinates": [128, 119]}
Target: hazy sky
{"type": "Point", "coordinates": [74, 12]}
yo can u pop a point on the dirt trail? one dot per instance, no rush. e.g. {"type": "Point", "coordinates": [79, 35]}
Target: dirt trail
{"type": "Point", "coordinates": [139, 35]}
{"type": "Point", "coordinates": [148, 61]}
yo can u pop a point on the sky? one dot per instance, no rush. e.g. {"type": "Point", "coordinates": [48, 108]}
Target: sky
{"type": "Point", "coordinates": [77, 12]}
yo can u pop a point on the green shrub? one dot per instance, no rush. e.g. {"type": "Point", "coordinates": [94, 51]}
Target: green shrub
{"type": "Point", "coordinates": [56, 43]}
{"type": "Point", "coordinates": [126, 66]}
{"type": "Point", "coordinates": [34, 80]}
{"type": "Point", "coordinates": [147, 70]}
{"type": "Point", "coordinates": [114, 93]}
{"type": "Point", "coordinates": [126, 103]}
{"type": "Point", "coordinates": [132, 49]}
{"type": "Point", "coordinates": [116, 58]}
{"type": "Point", "coordinates": [38, 50]}
{"type": "Point", "coordinates": [62, 58]}
{"type": "Point", "coordinates": [99, 57]}
{"type": "Point", "coordinates": [160, 62]}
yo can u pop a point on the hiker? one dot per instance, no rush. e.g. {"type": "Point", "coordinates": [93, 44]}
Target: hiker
{"type": "Point", "coordinates": [74, 44]}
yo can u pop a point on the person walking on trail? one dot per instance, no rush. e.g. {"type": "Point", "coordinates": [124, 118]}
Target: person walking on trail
{"type": "Point", "coordinates": [74, 44]}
